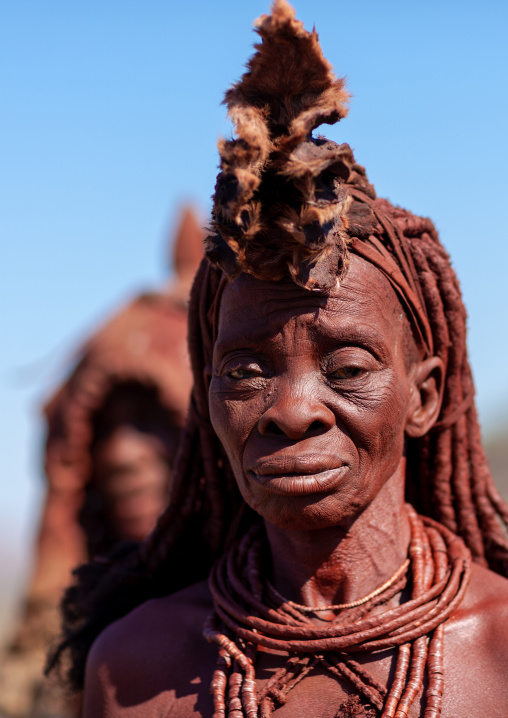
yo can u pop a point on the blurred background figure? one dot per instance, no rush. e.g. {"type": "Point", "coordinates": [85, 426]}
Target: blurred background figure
{"type": "Point", "coordinates": [112, 435]}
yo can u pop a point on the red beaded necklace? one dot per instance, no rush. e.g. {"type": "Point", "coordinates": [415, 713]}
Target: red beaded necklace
{"type": "Point", "coordinates": [248, 615]}
{"type": "Point", "coordinates": [341, 606]}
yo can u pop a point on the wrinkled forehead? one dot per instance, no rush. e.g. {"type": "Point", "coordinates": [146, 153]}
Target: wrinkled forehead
{"type": "Point", "coordinates": [366, 297]}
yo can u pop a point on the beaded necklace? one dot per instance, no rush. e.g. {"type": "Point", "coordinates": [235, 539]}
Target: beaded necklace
{"type": "Point", "coordinates": [247, 615]}
{"type": "Point", "coordinates": [342, 606]}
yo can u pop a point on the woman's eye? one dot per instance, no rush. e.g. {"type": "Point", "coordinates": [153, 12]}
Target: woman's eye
{"type": "Point", "coordinates": [242, 373]}
{"type": "Point", "coordinates": [348, 372]}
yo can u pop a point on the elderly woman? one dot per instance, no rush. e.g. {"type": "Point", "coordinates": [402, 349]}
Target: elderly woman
{"type": "Point", "coordinates": [331, 479]}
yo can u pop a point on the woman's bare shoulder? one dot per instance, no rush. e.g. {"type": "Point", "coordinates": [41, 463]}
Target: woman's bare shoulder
{"type": "Point", "coordinates": [476, 648]}
{"type": "Point", "coordinates": [486, 599]}
{"type": "Point", "coordinates": [482, 617]}
{"type": "Point", "coordinates": [151, 657]}
{"type": "Point", "coordinates": [156, 625]}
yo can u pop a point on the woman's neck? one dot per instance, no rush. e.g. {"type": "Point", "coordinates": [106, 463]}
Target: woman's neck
{"type": "Point", "coordinates": [344, 563]}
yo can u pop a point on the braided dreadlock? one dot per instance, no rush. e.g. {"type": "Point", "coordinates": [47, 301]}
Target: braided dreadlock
{"type": "Point", "coordinates": [306, 228]}
{"type": "Point", "coordinates": [448, 477]}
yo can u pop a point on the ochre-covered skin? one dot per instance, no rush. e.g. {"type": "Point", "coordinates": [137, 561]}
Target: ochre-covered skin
{"type": "Point", "coordinates": [313, 406]}
{"type": "Point", "coordinates": [332, 454]}
{"type": "Point", "coordinates": [113, 430]}
{"type": "Point", "coordinates": [136, 670]}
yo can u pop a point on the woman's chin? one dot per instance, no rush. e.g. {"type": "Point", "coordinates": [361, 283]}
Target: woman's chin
{"type": "Point", "coordinates": [306, 512]}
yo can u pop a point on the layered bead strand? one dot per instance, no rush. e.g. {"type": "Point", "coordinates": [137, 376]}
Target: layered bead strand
{"type": "Point", "coordinates": [249, 614]}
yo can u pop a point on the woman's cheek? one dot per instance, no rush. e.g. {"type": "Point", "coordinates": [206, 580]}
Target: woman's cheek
{"type": "Point", "coordinates": [374, 416]}
{"type": "Point", "coordinates": [232, 419]}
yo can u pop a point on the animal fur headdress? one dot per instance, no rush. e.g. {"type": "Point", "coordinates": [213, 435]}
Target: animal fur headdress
{"type": "Point", "coordinates": [281, 202]}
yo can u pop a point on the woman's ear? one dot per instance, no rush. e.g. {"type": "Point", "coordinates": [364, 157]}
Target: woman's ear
{"type": "Point", "coordinates": [426, 396]}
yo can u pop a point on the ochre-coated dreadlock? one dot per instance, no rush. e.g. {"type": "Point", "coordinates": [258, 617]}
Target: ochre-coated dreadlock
{"type": "Point", "coordinates": [286, 203]}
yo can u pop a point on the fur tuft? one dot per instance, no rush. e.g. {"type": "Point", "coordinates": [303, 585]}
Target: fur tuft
{"type": "Point", "coordinates": [288, 80]}
{"type": "Point", "coordinates": [281, 199]}
{"type": "Point", "coordinates": [354, 708]}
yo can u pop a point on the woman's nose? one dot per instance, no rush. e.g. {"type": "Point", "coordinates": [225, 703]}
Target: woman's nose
{"type": "Point", "coordinates": [296, 411]}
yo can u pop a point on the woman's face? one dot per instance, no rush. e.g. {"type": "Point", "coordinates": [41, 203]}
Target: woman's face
{"type": "Point", "coordinates": [135, 444]}
{"type": "Point", "coordinates": [132, 473]}
{"type": "Point", "coordinates": [310, 395]}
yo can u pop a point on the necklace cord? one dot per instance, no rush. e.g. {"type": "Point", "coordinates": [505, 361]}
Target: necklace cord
{"type": "Point", "coordinates": [342, 606]}
{"type": "Point", "coordinates": [243, 621]}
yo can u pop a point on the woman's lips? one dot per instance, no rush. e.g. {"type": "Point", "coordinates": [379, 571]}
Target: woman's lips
{"type": "Point", "coordinates": [298, 476]}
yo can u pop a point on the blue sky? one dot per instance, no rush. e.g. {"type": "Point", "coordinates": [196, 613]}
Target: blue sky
{"type": "Point", "coordinates": [110, 113]}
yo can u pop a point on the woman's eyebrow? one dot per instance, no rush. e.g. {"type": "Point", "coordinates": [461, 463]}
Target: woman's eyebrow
{"type": "Point", "coordinates": [351, 331]}
{"type": "Point", "coordinates": [239, 342]}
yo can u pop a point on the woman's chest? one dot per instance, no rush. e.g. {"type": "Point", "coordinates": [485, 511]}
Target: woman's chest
{"type": "Point", "coordinates": [314, 689]}
{"type": "Point", "coordinates": [328, 686]}
{"type": "Point", "coordinates": [307, 687]}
